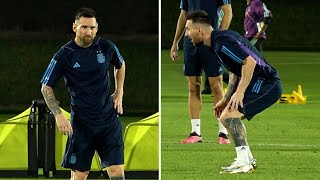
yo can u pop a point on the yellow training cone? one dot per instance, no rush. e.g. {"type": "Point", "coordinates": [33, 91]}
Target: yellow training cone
{"type": "Point", "coordinates": [300, 90]}
{"type": "Point", "coordinates": [299, 97]}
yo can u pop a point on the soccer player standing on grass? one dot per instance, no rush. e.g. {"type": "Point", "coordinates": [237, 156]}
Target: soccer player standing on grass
{"type": "Point", "coordinates": [197, 58]}
{"type": "Point", "coordinates": [84, 63]}
{"type": "Point", "coordinates": [256, 21]}
{"type": "Point", "coordinates": [254, 85]}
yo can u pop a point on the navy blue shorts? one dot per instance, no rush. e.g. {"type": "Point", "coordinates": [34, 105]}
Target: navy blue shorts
{"type": "Point", "coordinates": [81, 146]}
{"type": "Point", "coordinates": [198, 58]}
{"type": "Point", "coordinates": [260, 95]}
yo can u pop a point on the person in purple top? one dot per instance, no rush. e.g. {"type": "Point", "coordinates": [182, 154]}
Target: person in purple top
{"type": "Point", "coordinates": [256, 21]}
{"type": "Point", "coordinates": [254, 85]}
{"type": "Point", "coordinates": [196, 59]}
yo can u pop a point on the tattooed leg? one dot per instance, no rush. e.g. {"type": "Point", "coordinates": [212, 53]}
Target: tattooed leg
{"type": "Point", "coordinates": [238, 133]}
{"type": "Point", "coordinates": [237, 130]}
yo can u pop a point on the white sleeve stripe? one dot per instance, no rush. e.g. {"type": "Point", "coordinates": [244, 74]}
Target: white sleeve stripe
{"type": "Point", "coordinates": [49, 71]}
{"type": "Point", "coordinates": [118, 54]}
{"type": "Point", "coordinates": [231, 55]}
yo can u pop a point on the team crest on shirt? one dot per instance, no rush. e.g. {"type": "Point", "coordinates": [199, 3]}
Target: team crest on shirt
{"type": "Point", "coordinates": [73, 159]}
{"type": "Point", "coordinates": [100, 57]}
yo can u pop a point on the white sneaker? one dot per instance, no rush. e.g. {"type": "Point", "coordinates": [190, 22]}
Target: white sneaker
{"type": "Point", "coordinates": [239, 170]}
{"type": "Point", "coordinates": [253, 163]}
{"type": "Point", "coordinates": [235, 164]}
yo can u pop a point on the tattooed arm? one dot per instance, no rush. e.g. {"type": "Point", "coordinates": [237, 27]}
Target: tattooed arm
{"type": "Point", "coordinates": [247, 70]}
{"type": "Point", "coordinates": [62, 122]}
{"type": "Point", "coordinates": [232, 85]}
{"type": "Point", "coordinates": [50, 99]}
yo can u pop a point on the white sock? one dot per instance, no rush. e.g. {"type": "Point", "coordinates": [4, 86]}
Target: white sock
{"type": "Point", "coordinates": [242, 154]}
{"type": "Point", "coordinates": [249, 154]}
{"type": "Point", "coordinates": [221, 127]}
{"type": "Point", "coordinates": [195, 123]}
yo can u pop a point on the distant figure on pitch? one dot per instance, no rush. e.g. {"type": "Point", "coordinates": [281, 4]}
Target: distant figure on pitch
{"type": "Point", "coordinates": [225, 75]}
{"type": "Point", "coordinates": [196, 59]}
{"type": "Point", "coordinates": [256, 21]}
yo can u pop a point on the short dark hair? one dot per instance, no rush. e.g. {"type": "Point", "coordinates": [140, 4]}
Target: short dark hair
{"type": "Point", "coordinates": [199, 16]}
{"type": "Point", "coordinates": [85, 12]}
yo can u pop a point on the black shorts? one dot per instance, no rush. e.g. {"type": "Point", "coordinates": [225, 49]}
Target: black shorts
{"type": "Point", "coordinates": [198, 58]}
{"type": "Point", "coordinates": [81, 146]}
{"type": "Point", "coordinates": [260, 95]}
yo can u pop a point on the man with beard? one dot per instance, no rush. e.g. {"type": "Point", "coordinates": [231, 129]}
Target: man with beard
{"type": "Point", "coordinates": [254, 85]}
{"type": "Point", "coordinates": [94, 125]}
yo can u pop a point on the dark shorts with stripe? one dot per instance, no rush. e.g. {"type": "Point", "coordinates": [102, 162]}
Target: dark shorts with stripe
{"type": "Point", "coordinates": [260, 95]}
{"type": "Point", "coordinates": [198, 58]}
{"type": "Point", "coordinates": [81, 146]}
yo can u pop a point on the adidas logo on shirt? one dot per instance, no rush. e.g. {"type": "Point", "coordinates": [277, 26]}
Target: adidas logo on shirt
{"type": "Point", "coordinates": [76, 65]}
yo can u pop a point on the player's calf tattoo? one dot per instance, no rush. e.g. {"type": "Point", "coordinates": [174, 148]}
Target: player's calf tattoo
{"type": "Point", "coordinates": [237, 131]}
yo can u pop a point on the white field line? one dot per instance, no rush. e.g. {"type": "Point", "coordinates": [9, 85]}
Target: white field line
{"type": "Point", "coordinates": [253, 144]}
{"type": "Point", "coordinates": [277, 63]}
{"type": "Point", "coordinates": [289, 145]}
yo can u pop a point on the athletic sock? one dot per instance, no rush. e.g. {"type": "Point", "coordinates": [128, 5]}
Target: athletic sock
{"type": "Point", "coordinates": [242, 154]}
{"type": "Point", "coordinates": [222, 129]}
{"type": "Point", "coordinates": [195, 123]}
{"type": "Point", "coordinates": [249, 154]}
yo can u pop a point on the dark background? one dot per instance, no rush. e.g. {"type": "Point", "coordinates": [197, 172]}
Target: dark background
{"type": "Point", "coordinates": [295, 23]}
{"type": "Point", "coordinates": [32, 31]}
{"type": "Point", "coordinates": [120, 17]}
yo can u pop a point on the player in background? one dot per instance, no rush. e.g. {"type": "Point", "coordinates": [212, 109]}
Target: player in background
{"type": "Point", "coordinates": [254, 85]}
{"type": "Point", "coordinates": [256, 21]}
{"type": "Point", "coordinates": [94, 125]}
{"type": "Point", "coordinates": [225, 75]}
{"type": "Point", "coordinates": [201, 57]}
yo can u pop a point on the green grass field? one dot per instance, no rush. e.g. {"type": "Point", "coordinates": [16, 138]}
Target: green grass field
{"type": "Point", "coordinates": [284, 138]}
